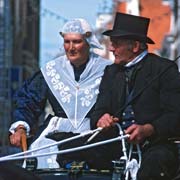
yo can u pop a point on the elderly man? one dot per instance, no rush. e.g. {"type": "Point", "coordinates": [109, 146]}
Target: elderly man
{"type": "Point", "coordinates": [141, 91]}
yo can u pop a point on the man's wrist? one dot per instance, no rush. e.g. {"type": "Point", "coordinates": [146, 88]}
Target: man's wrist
{"type": "Point", "coordinates": [149, 129]}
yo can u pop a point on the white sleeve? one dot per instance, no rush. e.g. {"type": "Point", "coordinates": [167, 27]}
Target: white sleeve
{"type": "Point", "coordinates": [16, 124]}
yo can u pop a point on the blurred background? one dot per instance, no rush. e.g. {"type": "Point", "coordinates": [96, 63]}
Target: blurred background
{"type": "Point", "coordinates": [29, 37]}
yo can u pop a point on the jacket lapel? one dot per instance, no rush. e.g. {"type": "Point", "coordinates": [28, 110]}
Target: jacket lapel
{"type": "Point", "coordinates": [143, 79]}
{"type": "Point", "coordinates": [121, 83]}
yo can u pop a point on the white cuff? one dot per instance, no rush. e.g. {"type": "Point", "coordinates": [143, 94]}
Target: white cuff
{"type": "Point", "coordinates": [16, 124]}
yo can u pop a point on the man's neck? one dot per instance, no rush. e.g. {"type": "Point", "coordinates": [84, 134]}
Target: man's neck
{"type": "Point", "coordinates": [137, 59]}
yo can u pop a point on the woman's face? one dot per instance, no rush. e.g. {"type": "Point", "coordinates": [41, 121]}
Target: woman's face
{"type": "Point", "coordinates": [76, 48]}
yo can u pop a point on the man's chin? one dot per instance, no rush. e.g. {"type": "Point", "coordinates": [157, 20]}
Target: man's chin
{"type": "Point", "coordinates": [122, 63]}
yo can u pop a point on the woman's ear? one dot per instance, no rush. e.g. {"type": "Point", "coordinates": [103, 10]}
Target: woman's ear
{"type": "Point", "coordinates": [61, 34]}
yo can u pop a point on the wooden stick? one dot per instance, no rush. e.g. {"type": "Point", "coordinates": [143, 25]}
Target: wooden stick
{"type": "Point", "coordinates": [24, 141]}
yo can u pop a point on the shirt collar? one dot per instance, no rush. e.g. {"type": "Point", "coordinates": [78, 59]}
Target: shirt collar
{"type": "Point", "coordinates": [137, 59]}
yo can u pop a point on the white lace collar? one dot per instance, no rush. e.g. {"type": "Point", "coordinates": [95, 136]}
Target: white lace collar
{"type": "Point", "coordinates": [76, 98]}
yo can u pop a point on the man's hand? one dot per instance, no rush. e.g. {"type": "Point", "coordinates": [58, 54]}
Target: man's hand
{"type": "Point", "coordinates": [138, 133]}
{"type": "Point", "coordinates": [106, 121]}
{"type": "Point", "coordinates": [15, 139]}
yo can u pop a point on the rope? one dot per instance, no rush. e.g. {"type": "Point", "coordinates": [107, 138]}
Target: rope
{"type": "Point", "coordinates": [129, 164]}
{"type": "Point", "coordinates": [127, 158]}
{"type": "Point", "coordinates": [65, 151]}
{"type": "Point", "coordinates": [124, 150]}
{"type": "Point", "coordinates": [49, 145]}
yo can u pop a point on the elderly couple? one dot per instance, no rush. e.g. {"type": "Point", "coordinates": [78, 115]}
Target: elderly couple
{"type": "Point", "coordinates": [140, 91]}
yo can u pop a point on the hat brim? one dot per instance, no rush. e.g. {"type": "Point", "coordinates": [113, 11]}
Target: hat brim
{"type": "Point", "coordinates": [127, 35]}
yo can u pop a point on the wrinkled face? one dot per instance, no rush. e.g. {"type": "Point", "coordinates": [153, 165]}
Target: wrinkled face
{"type": "Point", "coordinates": [76, 48]}
{"type": "Point", "coordinates": [123, 50]}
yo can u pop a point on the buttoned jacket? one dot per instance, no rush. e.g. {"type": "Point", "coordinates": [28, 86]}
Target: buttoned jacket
{"type": "Point", "coordinates": [155, 99]}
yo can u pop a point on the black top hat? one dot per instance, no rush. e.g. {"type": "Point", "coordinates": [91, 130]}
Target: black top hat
{"type": "Point", "coordinates": [130, 27]}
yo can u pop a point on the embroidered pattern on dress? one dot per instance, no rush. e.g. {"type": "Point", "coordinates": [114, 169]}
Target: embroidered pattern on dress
{"type": "Point", "coordinates": [89, 94]}
{"type": "Point", "coordinates": [64, 90]}
{"type": "Point", "coordinates": [58, 85]}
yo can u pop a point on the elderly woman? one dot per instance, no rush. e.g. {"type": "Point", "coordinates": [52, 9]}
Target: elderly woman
{"type": "Point", "coordinates": [70, 83]}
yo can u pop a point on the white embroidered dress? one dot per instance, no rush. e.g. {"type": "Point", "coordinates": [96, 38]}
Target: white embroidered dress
{"type": "Point", "coordinates": [76, 98]}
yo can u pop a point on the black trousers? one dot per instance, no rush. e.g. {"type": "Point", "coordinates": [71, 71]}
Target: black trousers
{"type": "Point", "coordinates": [159, 162]}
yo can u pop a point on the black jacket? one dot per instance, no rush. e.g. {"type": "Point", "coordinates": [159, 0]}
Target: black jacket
{"type": "Point", "coordinates": [156, 97]}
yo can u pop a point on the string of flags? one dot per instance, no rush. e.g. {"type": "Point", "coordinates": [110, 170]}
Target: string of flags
{"type": "Point", "coordinates": [47, 12]}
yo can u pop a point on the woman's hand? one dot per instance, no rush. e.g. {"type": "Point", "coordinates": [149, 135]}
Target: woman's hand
{"type": "Point", "coordinates": [15, 139]}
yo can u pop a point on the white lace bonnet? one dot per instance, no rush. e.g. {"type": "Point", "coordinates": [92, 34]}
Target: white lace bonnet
{"type": "Point", "coordinates": [81, 26]}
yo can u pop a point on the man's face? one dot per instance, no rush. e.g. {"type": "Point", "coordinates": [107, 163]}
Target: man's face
{"type": "Point", "coordinates": [76, 48]}
{"type": "Point", "coordinates": [123, 50]}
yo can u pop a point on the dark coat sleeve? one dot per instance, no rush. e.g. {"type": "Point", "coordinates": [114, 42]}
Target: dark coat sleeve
{"type": "Point", "coordinates": [159, 103]}
{"type": "Point", "coordinates": [29, 101]}
{"type": "Point", "coordinates": [168, 124]}
{"type": "Point", "coordinates": [104, 102]}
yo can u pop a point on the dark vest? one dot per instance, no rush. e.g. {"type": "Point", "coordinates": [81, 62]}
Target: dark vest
{"type": "Point", "coordinates": [128, 116]}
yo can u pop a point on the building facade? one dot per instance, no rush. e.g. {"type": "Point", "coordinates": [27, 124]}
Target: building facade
{"type": "Point", "coordinates": [19, 54]}
{"type": "Point", "coordinates": [6, 42]}
{"type": "Point", "coordinates": [164, 25]}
